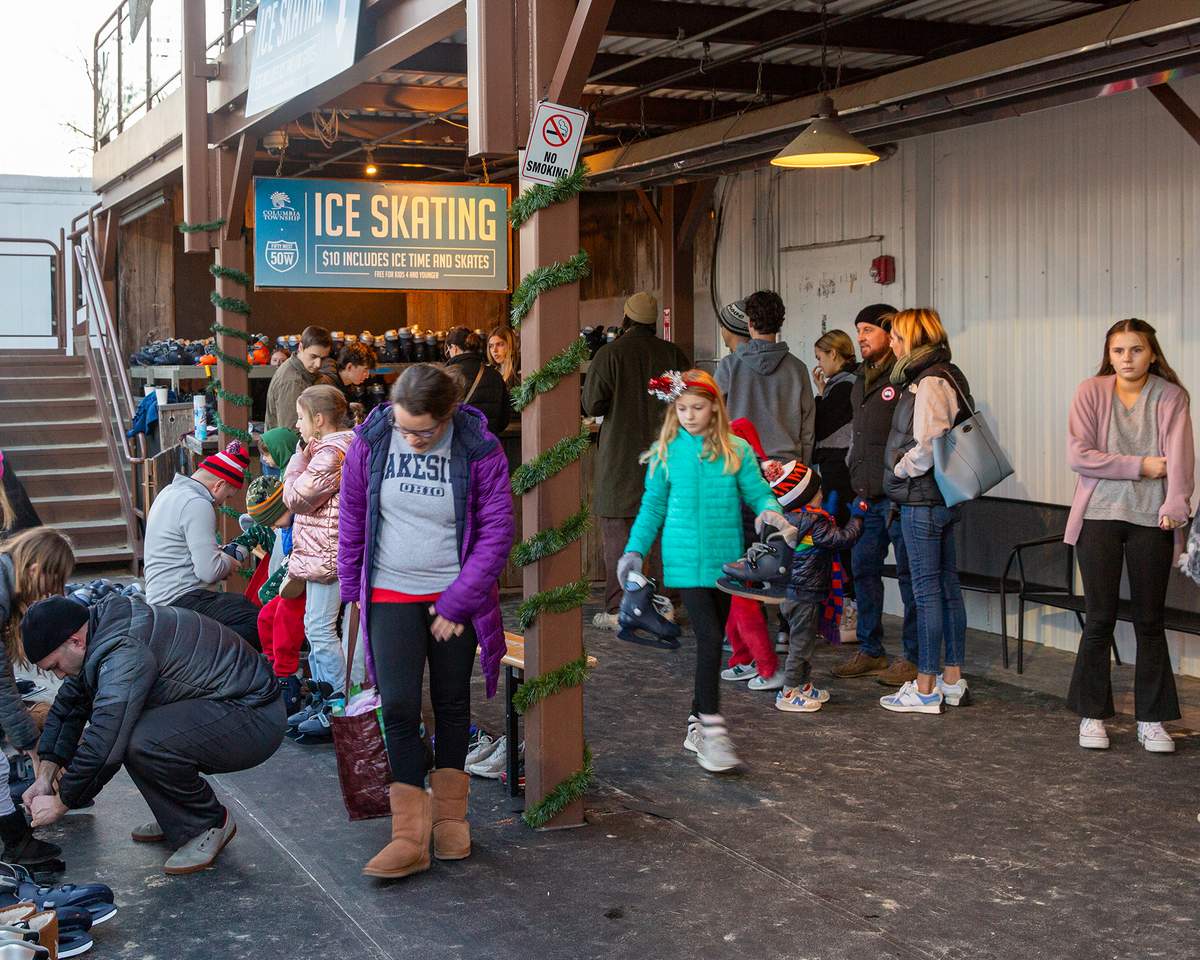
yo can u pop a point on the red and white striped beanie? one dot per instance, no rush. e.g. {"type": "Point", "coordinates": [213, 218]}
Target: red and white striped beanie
{"type": "Point", "coordinates": [229, 464]}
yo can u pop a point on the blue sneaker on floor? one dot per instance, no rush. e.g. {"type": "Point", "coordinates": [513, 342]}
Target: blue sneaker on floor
{"type": "Point", "coordinates": [908, 699]}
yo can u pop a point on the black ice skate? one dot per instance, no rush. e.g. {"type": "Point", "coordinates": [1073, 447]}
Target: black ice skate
{"type": "Point", "coordinates": [763, 573]}
{"type": "Point", "coordinates": [646, 617]}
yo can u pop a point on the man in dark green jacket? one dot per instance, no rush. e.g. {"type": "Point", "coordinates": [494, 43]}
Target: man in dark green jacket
{"type": "Point", "coordinates": [615, 389]}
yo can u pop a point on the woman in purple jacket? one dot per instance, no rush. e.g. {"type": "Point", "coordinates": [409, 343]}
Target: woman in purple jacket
{"type": "Point", "coordinates": [1130, 442]}
{"type": "Point", "coordinates": [425, 527]}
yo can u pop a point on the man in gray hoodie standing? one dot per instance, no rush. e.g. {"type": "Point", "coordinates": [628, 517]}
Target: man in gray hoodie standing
{"type": "Point", "coordinates": [767, 384]}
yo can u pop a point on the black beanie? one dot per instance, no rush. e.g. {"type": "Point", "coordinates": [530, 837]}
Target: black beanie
{"type": "Point", "coordinates": [48, 623]}
{"type": "Point", "coordinates": [874, 313]}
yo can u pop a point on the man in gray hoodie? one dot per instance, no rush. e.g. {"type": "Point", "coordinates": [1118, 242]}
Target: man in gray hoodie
{"type": "Point", "coordinates": [768, 385]}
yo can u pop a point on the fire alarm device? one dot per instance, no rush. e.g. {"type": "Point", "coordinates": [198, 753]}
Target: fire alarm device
{"type": "Point", "coordinates": [883, 269]}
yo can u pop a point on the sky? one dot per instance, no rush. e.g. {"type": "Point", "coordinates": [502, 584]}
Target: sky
{"type": "Point", "coordinates": [45, 85]}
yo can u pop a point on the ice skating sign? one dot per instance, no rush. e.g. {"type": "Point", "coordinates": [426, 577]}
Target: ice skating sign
{"type": "Point", "coordinates": [555, 137]}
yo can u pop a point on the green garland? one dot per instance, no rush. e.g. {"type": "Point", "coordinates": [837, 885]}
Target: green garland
{"type": "Point", "coordinates": [562, 796]}
{"type": "Point", "coordinates": [541, 195]}
{"type": "Point", "coordinates": [546, 377]}
{"type": "Point", "coordinates": [202, 227]}
{"type": "Point", "coordinates": [232, 305]}
{"type": "Point", "coordinates": [541, 279]}
{"type": "Point", "coordinates": [550, 461]}
{"type": "Point", "coordinates": [571, 674]}
{"type": "Point", "coordinates": [555, 600]}
{"type": "Point", "coordinates": [237, 276]}
{"type": "Point", "coordinates": [546, 543]}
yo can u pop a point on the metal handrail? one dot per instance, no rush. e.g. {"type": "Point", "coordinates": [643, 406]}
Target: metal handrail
{"type": "Point", "coordinates": [57, 283]}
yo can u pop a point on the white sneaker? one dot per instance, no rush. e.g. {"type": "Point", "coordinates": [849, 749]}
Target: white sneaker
{"type": "Point", "coordinates": [495, 763]}
{"type": "Point", "coordinates": [716, 753]}
{"type": "Point", "coordinates": [1092, 735]}
{"type": "Point", "coordinates": [908, 699]}
{"type": "Point", "coordinates": [1154, 738]}
{"type": "Point", "coordinates": [483, 749]}
{"type": "Point", "coordinates": [793, 700]}
{"type": "Point", "coordinates": [741, 672]}
{"type": "Point", "coordinates": [815, 693]}
{"type": "Point", "coordinates": [773, 682]}
{"type": "Point", "coordinates": [606, 621]}
{"type": "Point", "coordinates": [955, 694]}
{"type": "Point", "coordinates": [694, 736]}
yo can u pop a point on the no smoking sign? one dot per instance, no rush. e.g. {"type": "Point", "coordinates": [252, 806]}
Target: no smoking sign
{"type": "Point", "coordinates": [555, 137]}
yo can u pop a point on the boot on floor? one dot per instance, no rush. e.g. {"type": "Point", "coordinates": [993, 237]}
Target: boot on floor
{"type": "Point", "coordinates": [451, 831]}
{"type": "Point", "coordinates": [21, 846]}
{"type": "Point", "coordinates": [408, 851]}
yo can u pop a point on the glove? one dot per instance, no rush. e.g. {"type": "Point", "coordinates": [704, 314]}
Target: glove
{"type": "Point", "coordinates": [771, 518]}
{"type": "Point", "coordinates": [237, 551]}
{"type": "Point", "coordinates": [629, 563]}
{"type": "Point", "coordinates": [831, 502]}
{"type": "Point", "coordinates": [860, 508]}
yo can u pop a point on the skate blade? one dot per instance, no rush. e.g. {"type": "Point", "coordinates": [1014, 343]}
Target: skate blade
{"type": "Point", "coordinates": [736, 588]}
{"type": "Point", "coordinates": [630, 635]}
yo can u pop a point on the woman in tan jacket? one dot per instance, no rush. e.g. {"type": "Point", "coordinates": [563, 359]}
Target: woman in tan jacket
{"type": "Point", "coordinates": [311, 490]}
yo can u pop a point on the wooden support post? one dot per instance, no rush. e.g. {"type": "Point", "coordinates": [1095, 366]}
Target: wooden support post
{"type": "Point", "coordinates": [491, 79]}
{"type": "Point", "coordinates": [1177, 107]}
{"type": "Point", "coordinates": [195, 126]}
{"type": "Point", "coordinates": [579, 50]}
{"type": "Point", "coordinates": [554, 727]}
{"type": "Point", "coordinates": [679, 213]}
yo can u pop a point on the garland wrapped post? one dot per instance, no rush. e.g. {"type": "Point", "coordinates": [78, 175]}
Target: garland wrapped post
{"type": "Point", "coordinates": [541, 468]}
{"type": "Point", "coordinates": [239, 306]}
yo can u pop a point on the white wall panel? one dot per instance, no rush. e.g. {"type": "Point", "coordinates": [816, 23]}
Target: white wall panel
{"type": "Point", "coordinates": [1044, 229]}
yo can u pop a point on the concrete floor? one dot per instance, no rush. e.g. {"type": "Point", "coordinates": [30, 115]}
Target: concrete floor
{"type": "Point", "coordinates": [852, 833]}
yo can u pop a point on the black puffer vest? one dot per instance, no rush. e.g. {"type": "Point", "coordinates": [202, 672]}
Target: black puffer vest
{"type": "Point", "coordinates": [873, 412]}
{"type": "Point", "coordinates": [922, 490]}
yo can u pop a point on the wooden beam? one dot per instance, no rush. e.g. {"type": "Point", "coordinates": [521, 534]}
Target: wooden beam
{"type": "Point", "coordinates": [651, 210]}
{"type": "Point", "coordinates": [579, 50]}
{"type": "Point", "coordinates": [699, 203]}
{"type": "Point", "coordinates": [491, 79]}
{"type": "Point", "coordinates": [234, 202]}
{"type": "Point", "coordinates": [195, 126]}
{"type": "Point", "coordinates": [1177, 107]}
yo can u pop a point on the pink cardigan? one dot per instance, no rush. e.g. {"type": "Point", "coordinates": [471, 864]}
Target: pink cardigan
{"type": "Point", "coordinates": [1087, 445]}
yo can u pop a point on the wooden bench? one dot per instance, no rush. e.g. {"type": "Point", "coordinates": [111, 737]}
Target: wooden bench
{"type": "Point", "coordinates": [514, 676]}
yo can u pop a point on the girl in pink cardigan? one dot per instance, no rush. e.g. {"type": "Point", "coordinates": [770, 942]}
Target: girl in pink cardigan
{"type": "Point", "coordinates": [1130, 442]}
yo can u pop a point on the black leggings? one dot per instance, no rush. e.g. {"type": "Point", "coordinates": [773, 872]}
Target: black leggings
{"type": "Point", "coordinates": [708, 609]}
{"type": "Point", "coordinates": [400, 644]}
{"type": "Point", "coordinates": [1145, 552]}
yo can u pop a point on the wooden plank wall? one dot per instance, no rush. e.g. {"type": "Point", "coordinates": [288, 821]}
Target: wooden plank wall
{"type": "Point", "coordinates": [145, 279]}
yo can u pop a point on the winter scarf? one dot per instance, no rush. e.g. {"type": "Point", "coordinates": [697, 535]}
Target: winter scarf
{"type": "Point", "coordinates": [873, 371]}
{"type": "Point", "coordinates": [917, 360]}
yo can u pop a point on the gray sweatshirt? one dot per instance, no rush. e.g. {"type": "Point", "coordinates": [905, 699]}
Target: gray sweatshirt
{"type": "Point", "coordinates": [182, 552]}
{"type": "Point", "coordinates": [769, 386]}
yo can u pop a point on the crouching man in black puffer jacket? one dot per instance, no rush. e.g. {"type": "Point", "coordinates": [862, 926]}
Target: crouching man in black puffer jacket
{"type": "Point", "coordinates": [165, 691]}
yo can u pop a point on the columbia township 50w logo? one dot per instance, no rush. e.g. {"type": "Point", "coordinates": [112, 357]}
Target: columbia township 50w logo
{"type": "Point", "coordinates": [281, 201]}
{"type": "Point", "coordinates": [282, 255]}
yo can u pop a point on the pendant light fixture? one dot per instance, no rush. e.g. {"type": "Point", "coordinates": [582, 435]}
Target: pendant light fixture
{"type": "Point", "coordinates": [370, 169]}
{"type": "Point", "coordinates": [824, 143]}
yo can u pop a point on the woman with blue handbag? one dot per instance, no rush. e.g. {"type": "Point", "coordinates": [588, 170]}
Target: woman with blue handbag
{"type": "Point", "coordinates": [934, 398]}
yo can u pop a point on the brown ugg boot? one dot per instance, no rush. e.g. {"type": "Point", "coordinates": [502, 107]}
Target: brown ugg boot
{"type": "Point", "coordinates": [408, 851]}
{"type": "Point", "coordinates": [451, 832]}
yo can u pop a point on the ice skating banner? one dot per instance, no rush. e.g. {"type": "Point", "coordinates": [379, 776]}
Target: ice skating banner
{"type": "Point", "coordinates": [380, 235]}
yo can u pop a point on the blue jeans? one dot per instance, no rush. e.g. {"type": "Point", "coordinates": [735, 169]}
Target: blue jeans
{"type": "Point", "coordinates": [866, 560]}
{"type": "Point", "coordinates": [941, 616]}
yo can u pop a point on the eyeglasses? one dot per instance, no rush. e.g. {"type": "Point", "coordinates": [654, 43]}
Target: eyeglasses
{"type": "Point", "coordinates": [420, 434]}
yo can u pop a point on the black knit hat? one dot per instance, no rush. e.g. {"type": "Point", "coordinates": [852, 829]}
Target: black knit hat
{"type": "Point", "coordinates": [733, 318]}
{"type": "Point", "coordinates": [874, 314]}
{"type": "Point", "coordinates": [48, 624]}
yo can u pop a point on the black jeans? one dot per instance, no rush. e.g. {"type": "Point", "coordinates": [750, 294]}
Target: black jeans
{"type": "Point", "coordinates": [170, 746]}
{"type": "Point", "coordinates": [1103, 547]}
{"type": "Point", "coordinates": [400, 644]}
{"type": "Point", "coordinates": [231, 609]}
{"type": "Point", "coordinates": [708, 609]}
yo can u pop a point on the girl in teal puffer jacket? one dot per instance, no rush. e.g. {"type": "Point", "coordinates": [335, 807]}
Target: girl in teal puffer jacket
{"type": "Point", "coordinates": [697, 476]}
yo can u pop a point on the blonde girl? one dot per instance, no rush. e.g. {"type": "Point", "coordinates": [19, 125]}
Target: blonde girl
{"type": "Point", "coordinates": [698, 474]}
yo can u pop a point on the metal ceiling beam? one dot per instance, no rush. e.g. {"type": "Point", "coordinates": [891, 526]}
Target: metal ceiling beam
{"type": "Point", "coordinates": [1143, 23]}
{"type": "Point", "coordinates": [662, 19]}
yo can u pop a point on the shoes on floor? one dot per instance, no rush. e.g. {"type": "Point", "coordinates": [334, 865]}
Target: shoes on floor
{"type": "Point", "coordinates": [743, 671]}
{"type": "Point", "coordinates": [200, 852]}
{"type": "Point", "coordinates": [694, 735]}
{"type": "Point", "coordinates": [605, 621]}
{"type": "Point", "coordinates": [716, 753]}
{"type": "Point", "coordinates": [908, 699]}
{"type": "Point", "coordinates": [1154, 738]}
{"type": "Point", "coordinates": [860, 665]}
{"type": "Point", "coordinates": [773, 682]}
{"type": "Point", "coordinates": [319, 725]}
{"type": "Point", "coordinates": [898, 673]}
{"type": "Point", "coordinates": [496, 762]}
{"type": "Point", "coordinates": [483, 748]}
{"type": "Point", "coordinates": [955, 694]}
{"type": "Point", "coordinates": [815, 693]}
{"type": "Point", "coordinates": [793, 700]}
{"type": "Point", "coordinates": [149, 832]}
{"type": "Point", "coordinates": [1092, 734]}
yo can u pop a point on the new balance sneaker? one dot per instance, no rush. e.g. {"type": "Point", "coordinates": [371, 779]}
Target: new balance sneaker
{"type": "Point", "coordinates": [605, 621]}
{"type": "Point", "coordinates": [694, 735]}
{"type": "Point", "coordinates": [743, 671]}
{"type": "Point", "coordinates": [773, 682]}
{"type": "Point", "coordinates": [1155, 738]}
{"type": "Point", "coordinates": [908, 699]}
{"type": "Point", "coordinates": [815, 693]}
{"type": "Point", "coordinates": [793, 700]}
{"type": "Point", "coordinates": [955, 694]}
{"type": "Point", "coordinates": [716, 753]}
{"type": "Point", "coordinates": [484, 747]}
{"type": "Point", "coordinates": [1092, 735]}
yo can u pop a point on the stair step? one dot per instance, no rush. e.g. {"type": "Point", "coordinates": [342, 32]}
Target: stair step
{"type": "Point", "coordinates": [76, 482]}
{"type": "Point", "coordinates": [55, 510]}
{"type": "Point", "coordinates": [36, 434]}
{"type": "Point", "coordinates": [55, 456]}
{"type": "Point", "coordinates": [46, 388]}
{"type": "Point", "coordinates": [104, 557]}
{"type": "Point", "coordinates": [57, 409]}
{"type": "Point", "coordinates": [40, 360]}
{"type": "Point", "coordinates": [88, 534]}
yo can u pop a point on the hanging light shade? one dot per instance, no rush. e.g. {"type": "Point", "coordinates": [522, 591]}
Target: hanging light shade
{"type": "Point", "coordinates": [370, 169]}
{"type": "Point", "coordinates": [824, 143]}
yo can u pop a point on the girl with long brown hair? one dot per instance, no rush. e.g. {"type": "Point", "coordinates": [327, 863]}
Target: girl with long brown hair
{"type": "Point", "coordinates": [504, 354]}
{"type": "Point", "coordinates": [697, 477]}
{"type": "Point", "coordinates": [1130, 443]}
